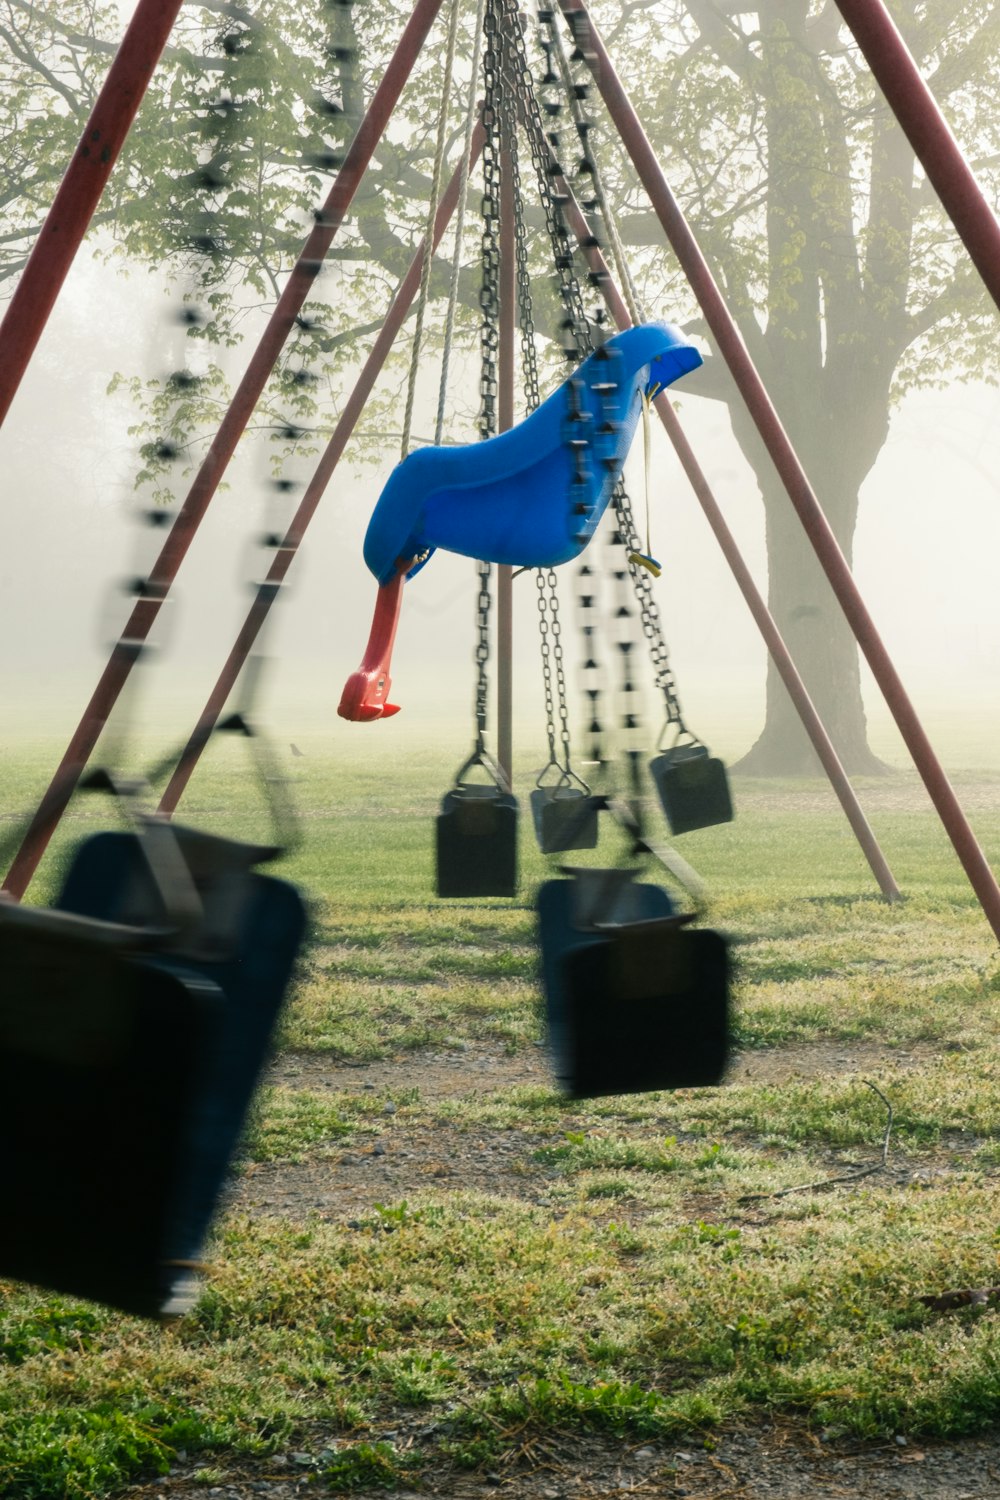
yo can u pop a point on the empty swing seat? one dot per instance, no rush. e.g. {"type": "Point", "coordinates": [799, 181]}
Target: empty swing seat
{"type": "Point", "coordinates": [565, 816]}
{"type": "Point", "coordinates": [129, 1053]}
{"type": "Point", "coordinates": [636, 1001]}
{"type": "Point", "coordinates": [475, 835]}
{"type": "Point", "coordinates": [693, 787]}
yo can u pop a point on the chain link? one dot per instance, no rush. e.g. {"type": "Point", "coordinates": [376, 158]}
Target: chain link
{"type": "Point", "coordinates": [560, 668]}
{"type": "Point", "coordinates": [578, 341]}
{"type": "Point", "coordinates": [526, 318]}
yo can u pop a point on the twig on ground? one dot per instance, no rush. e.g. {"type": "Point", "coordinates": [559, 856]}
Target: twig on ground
{"type": "Point", "coordinates": [848, 1177]}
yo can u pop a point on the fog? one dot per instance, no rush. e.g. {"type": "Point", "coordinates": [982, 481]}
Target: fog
{"type": "Point", "coordinates": [926, 551]}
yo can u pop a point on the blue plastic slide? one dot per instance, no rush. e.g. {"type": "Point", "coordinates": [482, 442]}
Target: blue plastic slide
{"type": "Point", "coordinates": [531, 497]}
{"type": "Point", "coordinates": [513, 499]}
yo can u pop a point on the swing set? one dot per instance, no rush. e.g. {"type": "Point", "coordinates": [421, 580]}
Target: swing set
{"type": "Point", "coordinates": [136, 1012]}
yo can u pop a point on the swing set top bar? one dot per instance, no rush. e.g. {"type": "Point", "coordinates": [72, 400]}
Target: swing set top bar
{"type": "Point", "coordinates": [916, 109]}
{"type": "Point", "coordinates": [80, 190]}
{"type": "Point", "coordinates": [786, 461]}
{"type": "Point", "coordinates": [206, 481]}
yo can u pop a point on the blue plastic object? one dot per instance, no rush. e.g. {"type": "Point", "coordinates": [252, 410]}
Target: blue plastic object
{"type": "Point", "coordinates": [512, 499]}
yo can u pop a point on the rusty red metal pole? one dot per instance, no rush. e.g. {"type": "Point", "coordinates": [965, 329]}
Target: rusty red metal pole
{"type": "Point", "coordinates": [780, 655]}
{"type": "Point", "coordinates": [773, 639]}
{"type": "Point", "coordinates": [785, 459]}
{"type": "Point", "coordinates": [189, 517]}
{"type": "Point", "coordinates": [80, 190]}
{"type": "Point", "coordinates": [285, 554]}
{"type": "Point", "coordinates": [928, 132]}
{"type": "Point", "coordinates": [505, 420]}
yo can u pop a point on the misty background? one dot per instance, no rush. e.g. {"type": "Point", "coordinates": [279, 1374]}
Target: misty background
{"type": "Point", "coordinates": [926, 554]}
{"type": "Point", "coordinates": [926, 559]}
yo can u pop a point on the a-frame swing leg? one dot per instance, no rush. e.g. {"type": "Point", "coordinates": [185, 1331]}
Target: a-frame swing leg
{"type": "Point", "coordinates": [773, 639]}
{"type": "Point", "coordinates": [349, 417]}
{"type": "Point", "coordinates": [916, 109]}
{"type": "Point", "coordinates": [206, 481]}
{"type": "Point", "coordinates": [80, 190]}
{"type": "Point", "coordinates": [787, 464]}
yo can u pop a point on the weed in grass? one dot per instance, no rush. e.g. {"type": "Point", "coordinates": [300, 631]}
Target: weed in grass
{"type": "Point", "coordinates": [74, 1454]}
{"type": "Point", "coordinates": [608, 1187]}
{"type": "Point", "coordinates": [365, 1464]}
{"type": "Point", "coordinates": [47, 1326]}
{"type": "Point", "coordinates": [286, 1124]}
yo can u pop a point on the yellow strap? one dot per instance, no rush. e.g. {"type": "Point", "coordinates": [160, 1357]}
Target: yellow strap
{"type": "Point", "coordinates": [646, 559]}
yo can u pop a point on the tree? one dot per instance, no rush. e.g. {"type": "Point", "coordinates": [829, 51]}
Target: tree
{"type": "Point", "coordinates": [840, 268]}
{"type": "Point", "coordinates": [842, 272]}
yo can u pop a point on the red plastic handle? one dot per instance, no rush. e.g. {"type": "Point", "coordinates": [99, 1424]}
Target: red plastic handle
{"type": "Point", "coordinates": [366, 692]}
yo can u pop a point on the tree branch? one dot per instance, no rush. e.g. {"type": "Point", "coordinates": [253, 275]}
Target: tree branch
{"type": "Point", "coordinates": [31, 60]}
{"type": "Point", "coordinates": [727, 41]}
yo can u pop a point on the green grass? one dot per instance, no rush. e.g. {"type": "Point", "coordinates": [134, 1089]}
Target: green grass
{"type": "Point", "coordinates": [648, 1292]}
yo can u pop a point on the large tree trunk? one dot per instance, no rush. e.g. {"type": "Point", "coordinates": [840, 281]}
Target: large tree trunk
{"type": "Point", "coordinates": [827, 353]}
{"type": "Point", "coordinates": [838, 422]}
{"type": "Point", "coordinates": [821, 642]}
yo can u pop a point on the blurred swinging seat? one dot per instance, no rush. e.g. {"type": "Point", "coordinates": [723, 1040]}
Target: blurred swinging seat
{"type": "Point", "coordinates": [636, 1000]}
{"type": "Point", "coordinates": [135, 1019]}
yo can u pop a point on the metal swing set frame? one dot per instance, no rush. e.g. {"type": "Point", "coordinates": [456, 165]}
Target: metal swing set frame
{"type": "Point", "coordinates": [76, 201]}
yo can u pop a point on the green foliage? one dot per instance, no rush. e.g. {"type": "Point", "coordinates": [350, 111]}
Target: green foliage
{"type": "Point", "coordinates": [73, 1455]}
{"type": "Point", "coordinates": [52, 1325]}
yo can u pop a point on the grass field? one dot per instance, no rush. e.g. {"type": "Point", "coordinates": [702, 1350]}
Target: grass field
{"type": "Point", "coordinates": [644, 1278]}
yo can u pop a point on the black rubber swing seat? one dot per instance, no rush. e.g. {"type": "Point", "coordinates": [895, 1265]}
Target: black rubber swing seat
{"type": "Point", "coordinates": [475, 833]}
{"type": "Point", "coordinates": [636, 1000]}
{"type": "Point", "coordinates": [693, 788]}
{"type": "Point", "coordinates": [129, 1053]}
{"type": "Point", "coordinates": [565, 817]}
{"type": "Point", "coordinates": [476, 842]}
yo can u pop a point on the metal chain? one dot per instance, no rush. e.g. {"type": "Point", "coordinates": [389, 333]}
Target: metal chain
{"type": "Point", "coordinates": [544, 631]}
{"type": "Point", "coordinates": [483, 602]}
{"type": "Point", "coordinates": [471, 114]}
{"type": "Point", "coordinates": [649, 610]}
{"type": "Point", "coordinates": [649, 613]}
{"type": "Point", "coordinates": [579, 341]}
{"type": "Point", "coordinates": [550, 628]}
{"type": "Point", "coordinates": [489, 291]}
{"type": "Point", "coordinates": [489, 328]}
{"type": "Point", "coordinates": [427, 259]}
{"type": "Point", "coordinates": [529, 356]}
{"type": "Point", "coordinates": [560, 667]}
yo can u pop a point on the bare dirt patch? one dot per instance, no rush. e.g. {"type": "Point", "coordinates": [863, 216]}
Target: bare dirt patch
{"type": "Point", "coordinates": [747, 1463]}
{"type": "Point", "coordinates": [471, 1070]}
{"type": "Point", "coordinates": [407, 1158]}
{"type": "Point", "coordinates": [450, 1074]}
